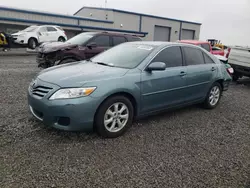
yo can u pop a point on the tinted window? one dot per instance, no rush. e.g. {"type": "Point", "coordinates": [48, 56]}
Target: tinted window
{"type": "Point", "coordinates": [207, 59]}
{"type": "Point", "coordinates": [171, 56]}
{"type": "Point", "coordinates": [43, 29]}
{"type": "Point", "coordinates": [193, 56]}
{"type": "Point", "coordinates": [102, 40]}
{"type": "Point", "coordinates": [80, 38]}
{"type": "Point", "coordinates": [126, 55]}
{"type": "Point", "coordinates": [118, 40]}
{"type": "Point", "coordinates": [206, 47]}
{"type": "Point", "coordinates": [51, 29]}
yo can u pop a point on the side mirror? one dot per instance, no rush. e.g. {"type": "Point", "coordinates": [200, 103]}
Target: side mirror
{"type": "Point", "coordinates": [92, 45]}
{"type": "Point", "coordinates": [156, 66]}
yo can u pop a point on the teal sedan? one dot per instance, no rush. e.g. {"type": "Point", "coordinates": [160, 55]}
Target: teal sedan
{"type": "Point", "coordinates": [134, 79]}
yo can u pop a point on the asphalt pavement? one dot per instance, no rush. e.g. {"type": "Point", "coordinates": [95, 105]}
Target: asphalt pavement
{"type": "Point", "coordinates": [189, 147]}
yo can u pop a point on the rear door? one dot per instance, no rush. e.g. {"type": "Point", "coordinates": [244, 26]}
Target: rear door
{"type": "Point", "coordinates": [200, 72]}
{"type": "Point", "coordinates": [52, 34]}
{"type": "Point", "coordinates": [161, 89]}
{"type": "Point", "coordinates": [103, 43]}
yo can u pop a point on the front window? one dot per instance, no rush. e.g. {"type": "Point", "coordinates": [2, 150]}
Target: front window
{"type": "Point", "coordinates": [30, 29]}
{"type": "Point", "coordinates": [80, 38]}
{"type": "Point", "coordinates": [125, 55]}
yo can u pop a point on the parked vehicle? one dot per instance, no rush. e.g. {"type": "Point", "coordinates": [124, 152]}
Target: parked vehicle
{"type": "Point", "coordinates": [133, 79]}
{"type": "Point", "coordinates": [35, 35]}
{"type": "Point", "coordinates": [82, 46]}
{"type": "Point", "coordinates": [239, 59]}
{"type": "Point", "coordinates": [213, 50]}
{"type": "Point", "coordinates": [218, 51]}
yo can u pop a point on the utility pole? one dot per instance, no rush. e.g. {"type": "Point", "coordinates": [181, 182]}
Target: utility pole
{"type": "Point", "coordinates": [106, 1]}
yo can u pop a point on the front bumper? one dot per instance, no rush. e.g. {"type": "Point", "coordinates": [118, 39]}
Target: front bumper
{"type": "Point", "coordinates": [20, 40]}
{"type": "Point", "coordinates": [67, 114]}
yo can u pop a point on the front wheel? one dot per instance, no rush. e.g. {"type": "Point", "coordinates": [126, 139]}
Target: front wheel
{"type": "Point", "coordinates": [32, 43]}
{"type": "Point", "coordinates": [213, 96]}
{"type": "Point", "coordinates": [114, 117]}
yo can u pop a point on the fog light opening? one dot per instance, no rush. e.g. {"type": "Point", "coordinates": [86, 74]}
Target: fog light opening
{"type": "Point", "coordinates": [64, 121]}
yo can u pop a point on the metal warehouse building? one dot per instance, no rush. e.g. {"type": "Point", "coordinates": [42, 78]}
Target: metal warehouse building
{"type": "Point", "coordinates": [102, 19]}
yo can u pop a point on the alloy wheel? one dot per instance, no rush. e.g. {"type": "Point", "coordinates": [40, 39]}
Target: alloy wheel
{"type": "Point", "coordinates": [116, 117]}
{"type": "Point", "coordinates": [214, 95]}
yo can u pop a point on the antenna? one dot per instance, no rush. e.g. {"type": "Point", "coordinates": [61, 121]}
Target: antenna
{"type": "Point", "coordinates": [106, 2]}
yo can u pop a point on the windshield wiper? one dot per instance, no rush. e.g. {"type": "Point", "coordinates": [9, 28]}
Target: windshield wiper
{"type": "Point", "coordinates": [105, 64]}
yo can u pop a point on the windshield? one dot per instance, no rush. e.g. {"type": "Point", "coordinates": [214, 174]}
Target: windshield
{"type": "Point", "coordinates": [80, 38]}
{"type": "Point", "coordinates": [126, 55]}
{"type": "Point", "coordinates": [30, 29]}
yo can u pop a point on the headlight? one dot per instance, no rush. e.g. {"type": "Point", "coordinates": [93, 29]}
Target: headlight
{"type": "Point", "coordinates": [22, 35]}
{"type": "Point", "coordinates": [70, 93]}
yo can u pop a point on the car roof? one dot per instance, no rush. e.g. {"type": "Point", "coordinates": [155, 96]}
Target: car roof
{"type": "Point", "coordinates": [161, 43]}
{"type": "Point", "coordinates": [193, 42]}
{"type": "Point", "coordinates": [110, 33]}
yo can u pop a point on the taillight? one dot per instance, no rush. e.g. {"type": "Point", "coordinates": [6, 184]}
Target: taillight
{"type": "Point", "coordinates": [230, 70]}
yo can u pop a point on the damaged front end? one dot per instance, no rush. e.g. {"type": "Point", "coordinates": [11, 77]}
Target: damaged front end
{"type": "Point", "coordinates": [46, 60]}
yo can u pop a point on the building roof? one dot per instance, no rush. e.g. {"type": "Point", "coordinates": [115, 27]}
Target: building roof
{"type": "Point", "coordinates": [77, 18]}
{"type": "Point", "coordinates": [135, 13]}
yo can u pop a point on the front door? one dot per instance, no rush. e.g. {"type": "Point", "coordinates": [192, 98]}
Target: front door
{"type": "Point", "coordinates": [43, 35]}
{"type": "Point", "coordinates": [162, 89]}
{"type": "Point", "coordinates": [200, 72]}
{"type": "Point", "coordinates": [102, 43]}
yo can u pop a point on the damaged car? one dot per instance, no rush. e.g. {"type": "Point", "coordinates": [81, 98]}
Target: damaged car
{"type": "Point", "coordinates": [81, 47]}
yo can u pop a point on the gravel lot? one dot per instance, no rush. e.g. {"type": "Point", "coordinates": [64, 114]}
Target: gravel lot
{"type": "Point", "coordinates": [190, 147]}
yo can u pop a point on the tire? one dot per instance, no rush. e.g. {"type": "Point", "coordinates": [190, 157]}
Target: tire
{"type": "Point", "coordinates": [32, 43]}
{"type": "Point", "coordinates": [120, 121]}
{"type": "Point", "coordinates": [216, 92]}
{"type": "Point", "coordinates": [61, 39]}
{"type": "Point", "coordinates": [69, 60]}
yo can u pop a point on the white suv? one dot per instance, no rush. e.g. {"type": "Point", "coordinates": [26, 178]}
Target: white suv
{"type": "Point", "coordinates": [34, 35]}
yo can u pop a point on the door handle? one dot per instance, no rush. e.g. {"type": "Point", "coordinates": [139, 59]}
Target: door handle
{"type": "Point", "coordinates": [182, 73]}
{"type": "Point", "coordinates": [213, 69]}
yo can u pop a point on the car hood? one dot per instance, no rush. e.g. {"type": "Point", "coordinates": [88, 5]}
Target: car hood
{"type": "Point", "coordinates": [48, 47]}
{"type": "Point", "coordinates": [78, 73]}
{"type": "Point", "coordinates": [18, 33]}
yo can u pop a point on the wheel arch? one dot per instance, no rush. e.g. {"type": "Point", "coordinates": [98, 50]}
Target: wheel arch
{"type": "Point", "coordinates": [70, 57]}
{"type": "Point", "coordinates": [220, 81]}
{"type": "Point", "coordinates": [121, 93]}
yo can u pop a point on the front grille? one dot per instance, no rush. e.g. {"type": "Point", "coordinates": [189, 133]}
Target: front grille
{"type": "Point", "coordinates": [40, 91]}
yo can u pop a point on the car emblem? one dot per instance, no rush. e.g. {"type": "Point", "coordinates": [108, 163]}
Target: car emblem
{"type": "Point", "coordinates": [34, 84]}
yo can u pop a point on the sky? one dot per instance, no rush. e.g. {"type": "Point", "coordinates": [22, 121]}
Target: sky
{"type": "Point", "coordinates": [225, 20]}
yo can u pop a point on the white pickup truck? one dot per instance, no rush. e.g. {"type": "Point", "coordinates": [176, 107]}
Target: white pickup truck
{"type": "Point", "coordinates": [239, 59]}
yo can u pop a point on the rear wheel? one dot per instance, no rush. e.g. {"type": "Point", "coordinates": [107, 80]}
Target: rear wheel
{"type": "Point", "coordinates": [213, 96]}
{"type": "Point", "coordinates": [114, 117]}
{"type": "Point", "coordinates": [61, 39]}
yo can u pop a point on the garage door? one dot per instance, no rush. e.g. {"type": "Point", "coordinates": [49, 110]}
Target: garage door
{"type": "Point", "coordinates": [162, 33]}
{"type": "Point", "coordinates": [187, 34]}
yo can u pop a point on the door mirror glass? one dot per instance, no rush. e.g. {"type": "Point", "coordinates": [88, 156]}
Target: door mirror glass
{"type": "Point", "coordinates": [156, 66]}
{"type": "Point", "coordinates": [92, 45]}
